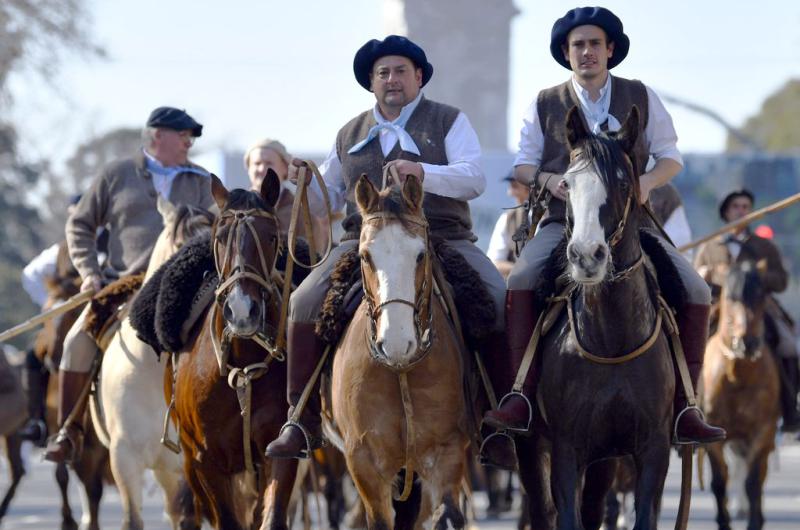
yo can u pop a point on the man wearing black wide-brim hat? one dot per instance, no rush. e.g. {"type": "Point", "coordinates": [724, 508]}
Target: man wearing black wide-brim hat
{"type": "Point", "coordinates": [123, 198]}
{"type": "Point", "coordinates": [430, 140]}
{"type": "Point", "coordinates": [590, 41]}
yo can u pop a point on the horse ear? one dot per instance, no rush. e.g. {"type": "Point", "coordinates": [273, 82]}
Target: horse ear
{"type": "Point", "coordinates": [413, 194]}
{"type": "Point", "coordinates": [629, 132]}
{"type": "Point", "coordinates": [576, 128]}
{"type": "Point", "coordinates": [270, 187]}
{"type": "Point", "coordinates": [219, 191]}
{"type": "Point", "coordinates": [366, 195]}
{"type": "Point", "coordinates": [167, 210]}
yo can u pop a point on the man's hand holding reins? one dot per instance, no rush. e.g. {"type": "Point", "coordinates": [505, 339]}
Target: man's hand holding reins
{"type": "Point", "coordinates": [405, 168]}
{"type": "Point", "coordinates": [93, 282]}
{"type": "Point", "coordinates": [555, 184]}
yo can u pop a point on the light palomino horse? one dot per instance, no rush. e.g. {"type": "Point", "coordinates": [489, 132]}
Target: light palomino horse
{"type": "Point", "coordinates": [400, 330]}
{"type": "Point", "coordinates": [132, 394]}
{"type": "Point", "coordinates": [741, 391]}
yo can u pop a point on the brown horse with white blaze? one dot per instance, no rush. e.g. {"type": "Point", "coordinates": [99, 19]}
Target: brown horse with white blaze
{"type": "Point", "coordinates": [400, 341]}
{"type": "Point", "coordinates": [741, 388]}
{"type": "Point", "coordinates": [232, 356]}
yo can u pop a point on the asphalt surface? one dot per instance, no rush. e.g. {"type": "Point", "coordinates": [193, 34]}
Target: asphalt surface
{"type": "Point", "coordinates": [37, 503]}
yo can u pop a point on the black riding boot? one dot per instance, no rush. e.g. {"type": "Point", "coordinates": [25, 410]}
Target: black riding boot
{"type": "Point", "coordinates": [299, 438]}
{"type": "Point", "coordinates": [690, 425]}
{"type": "Point", "coordinates": [34, 383]}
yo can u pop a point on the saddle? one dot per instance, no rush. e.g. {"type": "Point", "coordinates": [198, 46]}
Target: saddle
{"type": "Point", "coordinates": [177, 296]}
{"type": "Point", "coordinates": [106, 309]}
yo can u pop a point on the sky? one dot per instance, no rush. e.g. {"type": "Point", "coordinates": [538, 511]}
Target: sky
{"type": "Point", "coordinates": [283, 69]}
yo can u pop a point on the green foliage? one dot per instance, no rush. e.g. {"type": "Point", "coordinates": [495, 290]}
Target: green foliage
{"type": "Point", "coordinates": [775, 127]}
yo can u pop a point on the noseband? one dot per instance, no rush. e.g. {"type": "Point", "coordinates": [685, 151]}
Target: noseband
{"type": "Point", "coordinates": [422, 331]}
{"type": "Point", "coordinates": [243, 220]}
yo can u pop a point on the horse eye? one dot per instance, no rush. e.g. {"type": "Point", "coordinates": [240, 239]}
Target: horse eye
{"type": "Point", "coordinates": [420, 257]}
{"type": "Point", "coordinates": [365, 258]}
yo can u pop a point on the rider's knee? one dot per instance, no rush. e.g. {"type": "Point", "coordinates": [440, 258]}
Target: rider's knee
{"type": "Point", "coordinates": [698, 291]}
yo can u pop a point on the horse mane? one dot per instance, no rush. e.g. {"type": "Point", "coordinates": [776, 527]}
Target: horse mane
{"type": "Point", "coordinates": [604, 151]}
{"type": "Point", "coordinates": [185, 227]}
{"type": "Point", "coordinates": [391, 202]}
{"type": "Point", "coordinates": [240, 199]}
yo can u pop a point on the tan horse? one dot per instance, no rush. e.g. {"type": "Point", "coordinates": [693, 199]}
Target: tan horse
{"type": "Point", "coordinates": [741, 389]}
{"type": "Point", "coordinates": [400, 330]}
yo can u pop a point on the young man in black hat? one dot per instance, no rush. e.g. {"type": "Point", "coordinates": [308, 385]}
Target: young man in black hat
{"type": "Point", "coordinates": [434, 142]}
{"type": "Point", "coordinates": [123, 198]}
{"type": "Point", "coordinates": [589, 41]}
{"type": "Point", "coordinates": [713, 261]}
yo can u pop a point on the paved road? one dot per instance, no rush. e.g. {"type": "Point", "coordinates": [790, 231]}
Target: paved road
{"type": "Point", "coordinates": [36, 505]}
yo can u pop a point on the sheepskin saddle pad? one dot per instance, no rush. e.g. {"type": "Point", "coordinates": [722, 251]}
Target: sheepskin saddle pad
{"type": "Point", "coordinates": [177, 296]}
{"type": "Point", "coordinates": [473, 302]}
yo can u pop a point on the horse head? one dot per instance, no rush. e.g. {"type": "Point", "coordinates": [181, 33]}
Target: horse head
{"type": "Point", "coordinates": [181, 223]}
{"type": "Point", "coordinates": [603, 192]}
{"type": "Point", "coordinates": [246, 243]}
{"type": "Point", "coordinates": [396, 271]}
{"type": "Point", "coordinates": [742, 302]}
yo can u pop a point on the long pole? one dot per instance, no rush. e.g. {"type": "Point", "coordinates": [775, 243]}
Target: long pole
{"type": "Point", "coordinates": [746, 220]}
{"type": "Point", "coordinates": [40, 319]}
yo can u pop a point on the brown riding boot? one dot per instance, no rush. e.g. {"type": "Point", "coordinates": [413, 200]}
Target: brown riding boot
{"type": "Point", "coordinates": [497, 449]}
{"type": "Point", "coordinates": [298, 439]}
{"type": "Point", "coordinates": [67, 444]}
{"type": "Point", "coordinates": [514, 412]}
{"type": "Point", "coordinates": [690, 425]}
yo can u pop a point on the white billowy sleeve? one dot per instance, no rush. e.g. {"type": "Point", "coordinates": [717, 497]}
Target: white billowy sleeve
{"type": "Point", "coordinates": [462, 178]}
{"type": "Point", "coordinates": [331, 171]}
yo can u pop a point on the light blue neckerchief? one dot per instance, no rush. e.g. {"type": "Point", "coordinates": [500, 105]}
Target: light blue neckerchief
{"type": "Point", "coordinates": [154, 166]}
{"type": "Point", "coordinates": [601, 106]}
{"type": "Point", "coordinates": [397, 126]}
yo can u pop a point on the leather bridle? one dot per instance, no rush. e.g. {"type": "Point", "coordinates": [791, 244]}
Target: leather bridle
{"type": "Point", "coordinates": [423, 313]}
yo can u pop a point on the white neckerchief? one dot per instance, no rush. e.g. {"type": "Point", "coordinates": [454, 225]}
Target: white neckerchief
{"type": "Point", "coordinates": [596, 112]}
{"type": "Point", "coordinates": [397, 126]}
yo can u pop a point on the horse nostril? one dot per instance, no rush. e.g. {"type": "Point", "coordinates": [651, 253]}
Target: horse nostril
{"type": "Point", "coordinates": [255, 311]}
{"type": "Point", "coordinates": [600, 253]}
{"type": "Point", "coordinates": [572, 254]}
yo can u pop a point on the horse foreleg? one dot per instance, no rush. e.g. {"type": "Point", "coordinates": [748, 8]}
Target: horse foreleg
{"type": "Point", "coordinates": [128, 471]}
{"type": "Point", "coordinates": [373, 489]}
{"type": "Point", "coordinates": [62, 479]}
{"type": "Point", "coordinates": [178, 500]}
{"type": "Point", "coordinates": [93, 493]}
{"type": "Point", "coordinates": [278, 493]}
{"type": "Point", "coordinates": [651, 472]}
{"type": "Point", "coordinates": [17, 467]}
{"type": "Point", "coordinates": [596, 485]}
{"type": "Point", "coordinates": [537, 506]}
{"type": "Point", "coordinates": [719, 479]}
{"type": "Point", "coordinates": [565, 478]}
{"type": "Point", "coordinates": [754, 487]}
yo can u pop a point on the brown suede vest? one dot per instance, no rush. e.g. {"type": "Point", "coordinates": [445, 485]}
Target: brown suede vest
{"type": "Point", "coordinates": [552, 105]}
{"type": "Point", "coordinates": [428, 126]}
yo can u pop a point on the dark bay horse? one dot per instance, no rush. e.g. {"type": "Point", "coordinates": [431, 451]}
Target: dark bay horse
{"type": "Point", "coordinates": [740, 381]}
{"type": "Point", "coordinates": [592, 406]}
{"type": "Point", "coordinates": [218, 436]}
{"type": "Point", "coordinates": [400, 331]}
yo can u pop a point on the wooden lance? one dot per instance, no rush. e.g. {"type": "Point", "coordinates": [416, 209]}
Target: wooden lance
{"type": "Point", "coordinates": [38, 320]}
{"type": "Point", "coordinates": [746, 220]}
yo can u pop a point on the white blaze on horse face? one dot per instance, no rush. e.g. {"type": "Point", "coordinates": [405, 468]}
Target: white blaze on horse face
{"type": "Point", "coordinates": [394, 255]}
{"type": "Point", "coordinates": [587, 249]}
{"type": "Point", "coordinates": [238, 308]}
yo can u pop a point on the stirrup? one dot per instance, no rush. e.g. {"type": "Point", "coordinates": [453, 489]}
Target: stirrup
{"type": "Point", "coordinates": [310, 440]}
{"type": "Point", "coordinates": [485, 461]}
{"type": "Point", "coordinates": [530, 411]}
{"type": "Point", "coordinates": [75, 442]}
{"type": "Point", "coordinates": [675, 440]}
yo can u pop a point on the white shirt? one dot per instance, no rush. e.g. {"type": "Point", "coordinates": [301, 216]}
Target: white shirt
{"type": "Point", "coordinates": [678, 229]}
{"type": "Point", "coordinates": [37, 271]}
{"type": "Point", "coordinates": [462, 178]}
{"type": "Point", "coordinates": [500, 243]}
{"type": "Point", "coordinates": [659, 132]}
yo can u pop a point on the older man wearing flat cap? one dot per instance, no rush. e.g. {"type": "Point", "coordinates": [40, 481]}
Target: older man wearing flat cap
{"type": "Point", "coordinates": [123, 198]}
{"type": "Point", "coordinates": [433, 141]}
{"type": "Point", "coordinates": [590, 41]}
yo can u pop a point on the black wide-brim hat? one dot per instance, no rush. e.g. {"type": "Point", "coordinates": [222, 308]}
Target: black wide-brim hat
{"type": "Point", "coordinates": [594, 16]}
{"type": "Point", "coordinates": [392, 45]}
{"type": "Point", "coordinates": [734, 195]}
{"type": "Point", "coordinates": [176, 119]}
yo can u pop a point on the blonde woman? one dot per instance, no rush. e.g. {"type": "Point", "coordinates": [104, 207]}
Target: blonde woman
{"type": "Point", "coordinates": [271, 154]}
